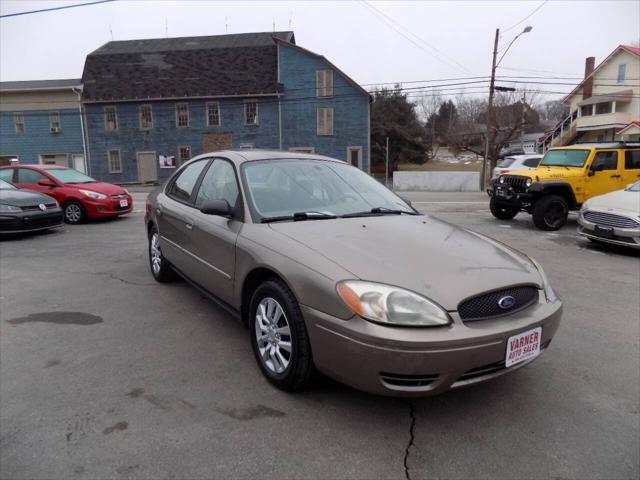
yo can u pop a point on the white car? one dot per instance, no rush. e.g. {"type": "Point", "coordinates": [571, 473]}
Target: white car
{"type": "Point", "coordinates": [613, 217]}
{"type": "Point", "coordinates": [516, 162]}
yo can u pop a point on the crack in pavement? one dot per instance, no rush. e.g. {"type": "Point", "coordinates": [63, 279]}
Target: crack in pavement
{"type": "Point", "coordinates": [412, 425]}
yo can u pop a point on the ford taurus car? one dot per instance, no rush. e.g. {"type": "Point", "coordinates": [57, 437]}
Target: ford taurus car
{"type": "Point", "coordinates": [331, 271]}
{"type": "Point", "coordinates": [22, 211]}
{"type": "Point", "coordinates": [613, 218]}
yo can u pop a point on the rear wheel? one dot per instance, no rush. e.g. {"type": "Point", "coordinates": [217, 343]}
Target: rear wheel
{"type": "Point", "coordinates": [74, 212]}
{"type": "Point", "coordinates": [550, 212]}
{"type": "Point", "coordinates": [160, 268]}
{"type": "Point", "coordinates": [279, 336]}
{"type": "Point", "coordinates": [503, 212]}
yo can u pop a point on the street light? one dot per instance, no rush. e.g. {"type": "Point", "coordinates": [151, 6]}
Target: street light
{"type": "Point", "coordinates": [489, 136]}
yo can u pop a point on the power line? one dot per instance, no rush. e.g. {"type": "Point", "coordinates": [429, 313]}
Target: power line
{"type": "Point", "coordinates": [55, 8]}
{"type": "Point", "coordinates": [383, 18]}
{"type": "Point", "coordinates": [525, 18]}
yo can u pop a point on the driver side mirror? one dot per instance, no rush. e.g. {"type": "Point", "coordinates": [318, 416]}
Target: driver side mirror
{"type": "Point", "coordinates": [595, 168]}
{"type": "Point", "coordinates": [46, 183]}
{"type": "Point", "coordinates": [217, 207]}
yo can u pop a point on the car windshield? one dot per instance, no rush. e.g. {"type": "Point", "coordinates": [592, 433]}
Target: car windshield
{"type": "Point", "coordinates": [634, 188]}
{"type": "Point", "coordinates": [6, 186]}
{"type": "Point", "coordinates": [321, 189]}
{"type": "Point", "coordinates": [506, 162]}
{"type": "Point", "coordinates": [69, 175]}
{"type": "Point", "coordinates": [565, 158]}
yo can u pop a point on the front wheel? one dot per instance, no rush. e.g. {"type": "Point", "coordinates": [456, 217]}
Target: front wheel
{"type": "Point", "coordinates": [550, 212]}
{"type": "Point", "coordinates": [502, 212]}
{"type": "Point", "coordinates": [74, 212]}
{"type": "Point", "coordinates": [279, 336]}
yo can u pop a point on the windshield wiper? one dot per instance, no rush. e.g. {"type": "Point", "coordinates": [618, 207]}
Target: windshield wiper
{"type": "Point", "coordinates": [299, 216]}
{"type": "Point", "coordinates": [378, 211]}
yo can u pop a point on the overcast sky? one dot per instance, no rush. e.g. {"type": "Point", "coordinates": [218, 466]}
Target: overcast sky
{"type": "Point", "coordinates": [454, 39]}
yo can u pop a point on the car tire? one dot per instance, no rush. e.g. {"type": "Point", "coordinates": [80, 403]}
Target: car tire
{"type": "Point", "coordinates": [160, 267]}
{"type": "Point", "coordinates": [279, 336]}
{"type": "Point", "coordinates": [74, 212]}
{"type": "Point", "coordinates": [502, 212]}
{"type": "Point", "coordinates": [550, 212]}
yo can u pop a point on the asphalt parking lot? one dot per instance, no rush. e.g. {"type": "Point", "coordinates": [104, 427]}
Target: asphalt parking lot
{"type": "Point", "coordinates": [144, 380]}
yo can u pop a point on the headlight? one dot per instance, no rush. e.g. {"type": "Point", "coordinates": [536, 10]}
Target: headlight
{"type": "Point", "coordinates": [95, 195]}
{"type": "Point", "coordinates": [528, 182]}
{"type": "Point", "coordinates": [501, 179]}
{"type": "Point", "coordinates": [548, 291]}
{"type": "Point", "coordinates": [391, 305]}
{"type": "Point", "coordinates": [9, 208]}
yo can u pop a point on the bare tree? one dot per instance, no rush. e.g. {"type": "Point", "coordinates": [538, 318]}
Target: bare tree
{"type": "Point", "coordinates": [427, 107]}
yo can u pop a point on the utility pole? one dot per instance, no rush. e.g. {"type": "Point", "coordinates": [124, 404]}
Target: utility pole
{"type": "Point", "coordinates": [489, 137]}
{"type": "Point", "coordinates": [522, 122]}
{"type": "Point", "coordinates": [386, 165]}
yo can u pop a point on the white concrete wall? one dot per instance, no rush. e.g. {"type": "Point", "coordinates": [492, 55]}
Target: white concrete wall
{"type": "Point", "coordinates": [436, 181]}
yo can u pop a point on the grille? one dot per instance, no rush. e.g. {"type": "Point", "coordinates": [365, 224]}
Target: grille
{"type": "Point", "coordinates": [35, 207]}
{"type": "Point", "coordinates": [42, 221]}
{"type": "Point", "coordinates": [486, 305]}
{"type": "Point", "coordinates": [518, 182]}
{"type": "Point", "coordinates": [119, 195]}
{"type": "Point", "coordinates": [610, 220]}
{"type": "Point", "coordinates": [415, 381]}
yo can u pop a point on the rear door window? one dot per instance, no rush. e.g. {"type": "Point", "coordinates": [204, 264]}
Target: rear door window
{"type": "Point", "coordinates": [29, 177]}
{"type": "Point", "coordinates": [182, 187]}
{"type": "Point", "coordinates": [632, 160]}
{"type": "Point", "coordinates": [532, 162]}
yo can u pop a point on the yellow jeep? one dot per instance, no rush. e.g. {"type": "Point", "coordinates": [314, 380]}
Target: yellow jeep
{"type": "Point", "coordinates": [565, 178]}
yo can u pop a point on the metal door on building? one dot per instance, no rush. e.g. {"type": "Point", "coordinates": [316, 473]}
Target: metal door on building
{"type": "Point", "coordinates": [216, 141]}
{"type": "Point", "coordinates": [78, 162]}
{"type": "Point", "coordinates": [147, 167]}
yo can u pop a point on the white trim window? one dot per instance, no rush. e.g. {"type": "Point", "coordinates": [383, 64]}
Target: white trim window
{"type": "Point", "coordinates": [182, 115]}
{"type": "Point", "coordinates": [184, 154]}
{"type": "Point", "coordinates": [302, 149]}
{"type": "Point", "coordinates": [18, 121]}
{"type": "Point", "coordinates": [114, 161]}
{"type": "Point", "coordinates": [110, 119]}
{"type": "Point", "coordinates": [251, 112]}
{"type": "Point", "coordinates": [146, 116]}
{"type": "Point", "coordinates": [324, 83]}
{"type": "Point", "coordinates": [54, 122]}
{"type": "Point", "coordinates": [622, 72]}
{"type": "Point", "coordinates": [213, 114]}
{"type": "Point", "coordinates": [354, 156]}
{"type": "Point", "coordinates": [325, 121]}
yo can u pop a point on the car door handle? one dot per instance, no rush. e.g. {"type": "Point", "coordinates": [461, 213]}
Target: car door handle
{"type": "Point", "coordinates": [159, 211]}
{"type": "Point", "coordinates": [615, 176]}
{"type": "Point", "coordinates": [189, 226]}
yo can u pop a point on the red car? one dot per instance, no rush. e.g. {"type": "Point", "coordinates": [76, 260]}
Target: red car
{"type": "Point", "coordinates": [80, 196]}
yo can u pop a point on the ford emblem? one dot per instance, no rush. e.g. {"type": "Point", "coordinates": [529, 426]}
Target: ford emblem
{"type": "Point", "coordinates": [507, 302]}
{"type": "Point", "coordinates": [42, 207]}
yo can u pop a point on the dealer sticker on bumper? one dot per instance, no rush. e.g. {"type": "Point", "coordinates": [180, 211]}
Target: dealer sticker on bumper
{"type": "Point", "coordinates": [523, 346]}
{"type": "Point", "coordinates": [124, 203]}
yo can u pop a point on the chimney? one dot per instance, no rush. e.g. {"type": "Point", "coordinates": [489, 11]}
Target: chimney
{"type": "Point", "coordinates": [587, 88]}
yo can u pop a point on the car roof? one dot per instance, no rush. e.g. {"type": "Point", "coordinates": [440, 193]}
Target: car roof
{"type": "Point", "coordinates": [599, 145]}
{"type": "Point", "coordinates": [36, 167]}
{"type": "Point", "coordinates": [525, 157]}
{"type": "Point", "coordinates": [244, 155]}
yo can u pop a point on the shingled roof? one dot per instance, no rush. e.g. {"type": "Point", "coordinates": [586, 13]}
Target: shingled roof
{"type": "Point", "coordinates": [211, 66]}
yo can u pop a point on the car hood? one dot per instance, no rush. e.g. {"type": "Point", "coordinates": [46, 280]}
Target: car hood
{"type": "Point", "coordinates": [623, 201]}
{"type": "Point", "coordinates": [99, 187]}
{"type": "Point", "coordinates": [542, 173]}
{"type": "Point", "coordinates": [420, 253]}
{"type": "Point", "coordinates": [24, 198]}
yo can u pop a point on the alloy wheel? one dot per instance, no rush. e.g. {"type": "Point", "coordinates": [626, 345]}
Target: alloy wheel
{"type": "Point", "coordinates": [554, 214]}
{"type": "Point", "coordinates": [156, 254]}
{"type": "Point", "coordinates": [73, 213]}
{"type": "Point", "coordinates": [273, 335]}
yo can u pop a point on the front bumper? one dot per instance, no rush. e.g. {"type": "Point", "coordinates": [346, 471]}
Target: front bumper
{"type": "Point", "coordinates": [108, 207]}
{"type": "Point", "coordinates": [421, 361]}
{"type": "Point", "coordinates": [626, 237]}
{"type": "Point", "coordinates": [21, 222]}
